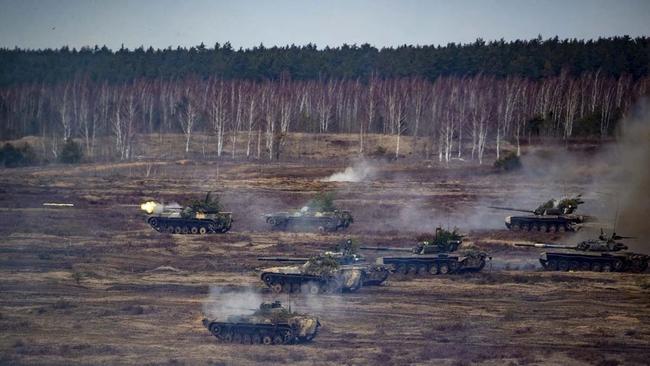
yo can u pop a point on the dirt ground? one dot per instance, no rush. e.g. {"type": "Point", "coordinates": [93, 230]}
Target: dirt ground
{"type": "Point", "coordinates": [94, 284]}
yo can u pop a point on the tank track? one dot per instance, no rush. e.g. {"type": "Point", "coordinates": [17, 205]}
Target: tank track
{"type": "Point", "coordinates": [295, 283]}
{"type": "Point", "coordinates": [432, 266]}
{"type": "Point", "coordinates": [323, 224]}
{"type": "Point", "coordinates": [267, 334]}
{"type": "Point", "coordinates": [187, 226]}
{"type": "Point", "coordinates": [554, 225]}
{"type": "Point", "coordinates": [569, 262]}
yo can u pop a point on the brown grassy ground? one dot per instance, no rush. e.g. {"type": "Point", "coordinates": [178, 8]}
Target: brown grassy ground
{"type": "Point", "coordinates": [94, 284]}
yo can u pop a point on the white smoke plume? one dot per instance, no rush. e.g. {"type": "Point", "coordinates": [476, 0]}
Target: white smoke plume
{"type": "Point", "coordinates": [222, 303]}
{"type": "Point", "coordinates": [358, 172]}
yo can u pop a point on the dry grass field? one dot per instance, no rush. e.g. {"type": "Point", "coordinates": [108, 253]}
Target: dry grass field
{"type": "Point", "coordinates": [94, 284]}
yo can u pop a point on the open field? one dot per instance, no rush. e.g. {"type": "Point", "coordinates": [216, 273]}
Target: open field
{"type": "Point", "coordinates": [95, 284]}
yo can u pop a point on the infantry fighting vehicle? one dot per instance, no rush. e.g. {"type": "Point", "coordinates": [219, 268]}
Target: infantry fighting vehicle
{"type": "Point", "coordinates": [604, 254]}
{"type": "Point", "coordinates": [310, 218]}
{"type": "Point", "coordinates": [270, 324]}
{"type": "Point", "coordinates": [432, 255]}
{"type": "Point", "coordinates": [551, 216]}
{"type": "Point", "coordinates": [199, 217]}
{"type": "Point", "coordinates": [318, 273]}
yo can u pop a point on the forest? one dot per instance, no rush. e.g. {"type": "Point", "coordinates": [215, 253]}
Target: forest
{"type": "Point", "coordinates": [454, 101]}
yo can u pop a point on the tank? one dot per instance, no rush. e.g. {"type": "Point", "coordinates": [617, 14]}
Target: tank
{"type": "Point", "coordinates": [309, 218]}
{"type": "Point", "coordinates": [435, 255]}
{"type": "Point", "coordinates": [604, 254]}
{"type": "Point", "coordinates": [349, 263]}
{"type": "Point", "coordinates": [551, 216]}
{"type": "Point", "coordinates": [199, 217]}
{"type": "Point", "coordinates": [270, 324]}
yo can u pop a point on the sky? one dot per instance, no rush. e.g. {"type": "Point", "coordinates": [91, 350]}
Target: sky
{"type": "Point", "coordinates": [161, 23]}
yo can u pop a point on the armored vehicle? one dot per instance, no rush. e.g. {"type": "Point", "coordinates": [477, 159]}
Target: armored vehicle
{"type": "Point", "coordinates": [199, 217]}
{"type": "Point", "coordinates": [310, 218]}
{"type": "Point", "coordinates": [349, 263]}
{"type": "Point", "coordinates": [604, 254]}
{"type": "Point", "coordinates": [433, 256]}
{"type": "Point", "coordinates": [551, 216]}
{"type": "Point", "coordinates": [270, 324]}
{"type": "Point", "coordinates": [322, 273]}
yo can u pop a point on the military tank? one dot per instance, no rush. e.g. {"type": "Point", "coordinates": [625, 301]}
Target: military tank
{"type": "Point", "coordinates": [319, 213]}
{"type": "Point", "coordinates": [432, 255]}
{"type": "Point", "coordinates": [551, 216]}
{"type": "Point", "coordinates": [199, 217]}
{"type": "Point", "coordinates": [604, 254]}
{"type": "Point", "coordinates": [322, 273]}
{"type": "Point", "coordinates": [285, 279]}
{"type": "Point", "coordinates": [310, 218]}
{"type": "Point", "coordinates": [270, 324]}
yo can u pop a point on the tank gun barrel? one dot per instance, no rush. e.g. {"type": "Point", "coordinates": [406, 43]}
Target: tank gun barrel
{"type": "Point", "coordinates": [511, 209]}
{"type": "Point", "coordinates": [543, 245]}
{"type": "Point", "coordinates": [387, 249]}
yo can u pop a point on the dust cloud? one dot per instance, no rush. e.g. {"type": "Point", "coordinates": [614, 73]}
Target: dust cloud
{"type": "Point", "coordinates": [222, 303]}
{"type": "Point", "coordinates": [358, 172]}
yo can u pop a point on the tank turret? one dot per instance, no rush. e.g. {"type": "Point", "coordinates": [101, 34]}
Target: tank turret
{"type": "Point", "coordinates": [270, 324]}
{"type": "Point", "coordinates": [199, 217]}
{"type": "Point", "coordinates": [599, 255]}
{"type": "Point", "coordinates": [553, 215]}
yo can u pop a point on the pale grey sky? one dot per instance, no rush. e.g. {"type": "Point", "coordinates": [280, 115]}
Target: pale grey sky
{"type": "Point", "coordinates": [162, 23]}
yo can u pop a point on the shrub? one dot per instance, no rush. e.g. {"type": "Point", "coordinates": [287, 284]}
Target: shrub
{"type": "Point", "coordinates": [11, 156]}
{"type": "Point", "coordinates": [71, 152]}
{"type": "Point", "coordinates": [507, 162]}
{"type": "Point", "coordinates": [323, 201]}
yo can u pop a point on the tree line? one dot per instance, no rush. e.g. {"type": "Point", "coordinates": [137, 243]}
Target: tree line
{"type": "Point", "coordinates": [531, 59]}
{"type": "Point", "coordinates": [448, 117]}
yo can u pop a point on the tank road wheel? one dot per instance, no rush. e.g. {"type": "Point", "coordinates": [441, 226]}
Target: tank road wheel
{"type": "Point", "coordinates": [169, 229]}
{"type": "Point", "coordinates": [256, 339]}
{"type": "Point", "coordinates": [412, 269]}
{"type": "Point", "coordinates": [529, 227]}
{"type": "Point", "coordinates": [618, 265]}
{"type": "Point", "coordinates": [433, 269]}
{"type": "Point", "coordinates": [596, 267]}
{"type": "Point", "coordinates": [515, 226]}
{"type": "Point", "coordinates": [313, 288]}
{"type": "Point", "coordinates": [402, 269]}
{"type": "Point", "coordinates": [237, 338]}
{"type": "Point", "coordinates": [185, 229]}
{"type": "Point", "coordinates": [194, 230]}
{"type": "Point", "coordinates": [215, 330]}
{"type": "Point", "coordinates": [277, 339]}
{"type": "Point", "coordinates": [267, 340]}
{"type": "Point", "coordinates": [246, 339]}
{"type": "Point", "coordinates": [177, 230]}
{"type": "Point", "coordinates": [228, 337]}
{"type": "Point", "coordinates": [551, 265]}
{"type": "Point", "coordinates": [574, 266]}
{"type": "Point", "coordinates": [607, 267]}
{"type": "Point", "coordinates": [203, 230]}
{"type": "Point", "coordinates": [276, 287]}
{"type": "Point", "coordinates": [422, 269]}
{"type": "Point", "coordinates": [544, 228]}
{"type": "Point", "coordinates": [562, 228]}
{"type": "Point", "coordinates": [444, 268]}
{"type": "Point", "coordinates": [563, 265]}
{"type": "Point", "coordinates": [585, 266]}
